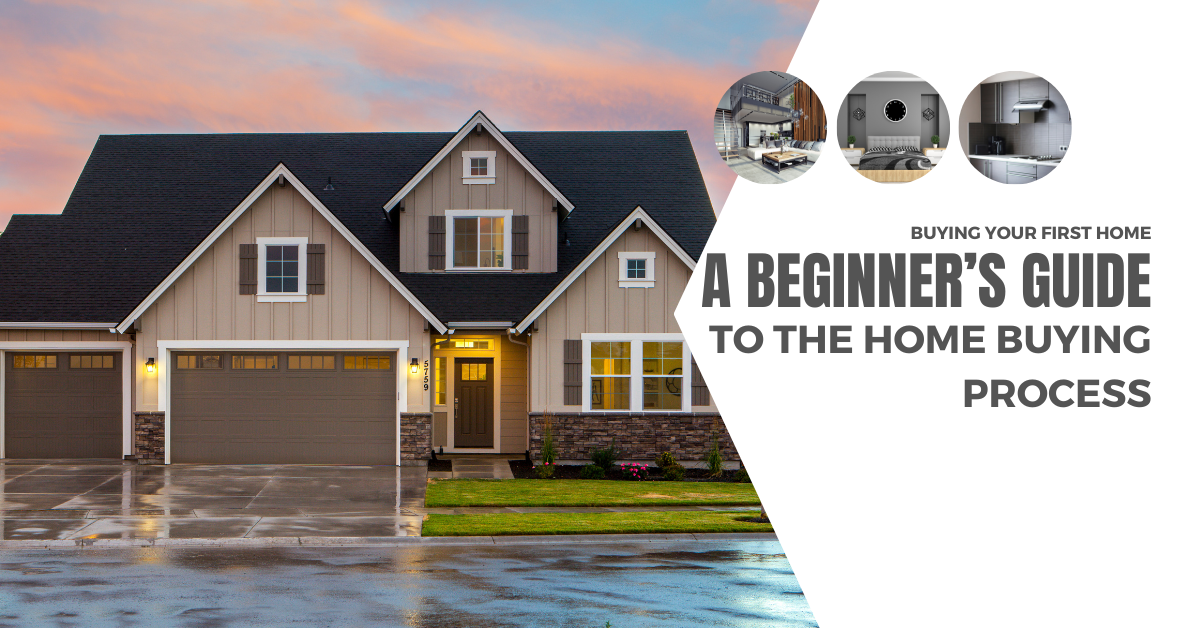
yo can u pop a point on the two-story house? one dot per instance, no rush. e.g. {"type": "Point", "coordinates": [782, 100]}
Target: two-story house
{"type": "Point", "coordinates": [358, 298]}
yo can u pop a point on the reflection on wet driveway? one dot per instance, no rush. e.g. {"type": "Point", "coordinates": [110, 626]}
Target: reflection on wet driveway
{"type": "Point", "coordinates": [711, 583]}
{"type": "Point", "coordinates": [104, 500]}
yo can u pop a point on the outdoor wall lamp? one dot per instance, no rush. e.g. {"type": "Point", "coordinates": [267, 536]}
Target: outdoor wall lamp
{"type": "Point", "coordinates": [413, 366]}
{"type": "Point", "coordinates": [151, 367]}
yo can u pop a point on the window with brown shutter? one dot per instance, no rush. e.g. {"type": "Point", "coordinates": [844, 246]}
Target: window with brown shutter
{"type": "Point", "coordinates": [437, 243]}
{"type": "Point", "coordinates": [573, 372]}
{"type": "Point", "coordinates": [699, 388]}
{"type": "Point", "coordinates": [520, 240]}
{"type": "Point", "coordinates": [249, 269]}
{"type": "Point", "coordinates": [316, 269]}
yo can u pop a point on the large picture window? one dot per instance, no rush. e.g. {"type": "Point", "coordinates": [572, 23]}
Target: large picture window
{"type": "Point", "coordinates": [479, 240]}
{"type": "Point", "coordinates": [638, 373]}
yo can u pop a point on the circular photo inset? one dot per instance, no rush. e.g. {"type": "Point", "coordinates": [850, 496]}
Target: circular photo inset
{"type": "Point", "coordinates": [769, 127]}
{"type": "Point", "coordinates": [1018, 127]}
{"type": "Point", "coordinates": [893, 127]}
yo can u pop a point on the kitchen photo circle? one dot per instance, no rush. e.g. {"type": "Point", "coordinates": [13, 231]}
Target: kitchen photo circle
{"type": "Point", "coordinates": [769, 127]}
{"type": "Point", "coordinates": [893, 127]}
{"type": "Point", "coordinates": [1018, 127]}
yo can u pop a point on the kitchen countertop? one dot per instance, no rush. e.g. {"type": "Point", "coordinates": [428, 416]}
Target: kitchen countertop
{"type": "Point", "coordinates": [1019, 159]}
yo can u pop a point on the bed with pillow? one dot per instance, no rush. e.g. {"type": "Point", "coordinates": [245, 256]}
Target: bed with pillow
{"type": "Point", "coordinates": [811, 149]}
{"type": "Point", "coordinates": [894, 159]}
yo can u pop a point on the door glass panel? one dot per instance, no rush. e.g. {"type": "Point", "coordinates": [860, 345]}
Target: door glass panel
{"type": "Point", "coordinates": [474, 372]}
{"type": "Point", "coordinates": [439, 381]}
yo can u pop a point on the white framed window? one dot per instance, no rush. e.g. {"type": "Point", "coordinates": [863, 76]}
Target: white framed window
{"type": "Point", "coordinates": [637, 270]}
{"type": "Point", "coordinates": [479, 167]}
{"type": "Point", "coordinates": [637, 373]}
{"type": "Point", "coordinates": [282, 270]}
{"type": "Point", "coordinates": [479, 239]}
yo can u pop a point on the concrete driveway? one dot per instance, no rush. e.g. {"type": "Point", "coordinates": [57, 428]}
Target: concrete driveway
{"type": "Point", "coordinates": [46, 500]}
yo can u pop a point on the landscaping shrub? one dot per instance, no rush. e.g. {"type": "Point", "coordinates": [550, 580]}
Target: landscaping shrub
{"type": "Point", "coordinates": [545, 470]}
{"type": "Point", "coordinates": [549, 449]}
{"type": "Point", "coordinates": [665, 459]}
{"type": "Point", "coordinates": [605, 457]}
{"type": "Point", "coordinates": [673, 473]}
{"type": "Point", "coordinates": [634, 471]}
{"type": "Point", "coordinates": [716, 464]}
{"type": "Point", "coordinates": [742, 476]}
{"type": "Point", "coordinates": [591, 472]}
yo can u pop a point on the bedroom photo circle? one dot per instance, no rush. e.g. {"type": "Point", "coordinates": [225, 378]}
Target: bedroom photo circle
{"type": "Point", "coordinates": [1018, 127]}
{"type": "Point", "coordinates": [893, 127]}
{"type": "Point", "coordinates": [769, 127]}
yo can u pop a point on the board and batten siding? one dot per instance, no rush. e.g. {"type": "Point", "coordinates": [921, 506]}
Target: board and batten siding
{"type": "Point", "coordinates": [204, 304]}
{"type": "Point", "coordinates": [514, 403]}
{"type": "Point", "coordinates": [596, 303]}
{"type": "Point", "coordinates": [443, 189]}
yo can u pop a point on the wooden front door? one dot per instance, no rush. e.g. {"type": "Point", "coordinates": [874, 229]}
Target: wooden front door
{"type": "Point", "coordinates": [473, 408]}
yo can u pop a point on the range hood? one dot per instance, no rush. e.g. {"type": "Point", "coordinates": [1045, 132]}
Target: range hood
{"type": "Point", "coordinates": [1030, 105]}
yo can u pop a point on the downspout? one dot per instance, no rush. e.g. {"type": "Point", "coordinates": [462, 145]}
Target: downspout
{"type": "Point", "coordinates": [528, 381]}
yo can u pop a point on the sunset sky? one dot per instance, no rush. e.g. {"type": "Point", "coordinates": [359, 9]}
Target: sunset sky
{"type": "Point", "coordinates": [71, 71]}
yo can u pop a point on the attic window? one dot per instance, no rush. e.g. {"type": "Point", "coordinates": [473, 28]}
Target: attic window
{"type": "Point", "coordinates": [635, 270]}
{"type": "Point", "coordinates": [479, 167]}
{"type": "Point", "coordinates": [281, 269]}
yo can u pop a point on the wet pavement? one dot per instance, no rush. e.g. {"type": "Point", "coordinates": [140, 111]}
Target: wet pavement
{"type": "Point", "coordinates": [705, 583]}
{"type": "Point", "coordinates": [52, 500]}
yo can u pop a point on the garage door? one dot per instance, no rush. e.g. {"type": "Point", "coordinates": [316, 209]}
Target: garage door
{"type": "Point", "coordinates": [62, 405]}
{"type": "Point", "coordinates": [283, 408]}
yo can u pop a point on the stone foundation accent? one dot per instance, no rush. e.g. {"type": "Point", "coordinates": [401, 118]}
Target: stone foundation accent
{"type": "Point", "coordinates": [639, 436]}
{"type": "Point", "coordinates": [416, 438]}
{"type": "Point", "coordinates": [149, 437]}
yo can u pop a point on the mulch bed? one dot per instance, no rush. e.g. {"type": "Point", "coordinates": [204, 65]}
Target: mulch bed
{"type": "Point", "coordinates": [523, 470]}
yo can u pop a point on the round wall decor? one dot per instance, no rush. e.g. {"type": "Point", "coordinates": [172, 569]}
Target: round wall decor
{"type": "Point", "coordinates": [895, 110]}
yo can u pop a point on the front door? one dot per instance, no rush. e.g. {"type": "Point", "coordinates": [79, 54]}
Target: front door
{"type": "Point", "coordinates": [473, 409]}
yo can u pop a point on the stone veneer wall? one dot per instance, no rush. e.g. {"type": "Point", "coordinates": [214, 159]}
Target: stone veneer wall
{"type": "Point", "coordinates": [149, 434]}
{"type": "Point", "coordinates": [416, 438]}
{"type": "Point", "coordinates": [639, 436]}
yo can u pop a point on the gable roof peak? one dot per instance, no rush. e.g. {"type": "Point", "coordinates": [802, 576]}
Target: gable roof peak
{"type": "Point", "coordinates": [479, 121]}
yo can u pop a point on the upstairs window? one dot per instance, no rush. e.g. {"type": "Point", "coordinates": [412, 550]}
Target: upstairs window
{"type": "Point", "coordinates": [479, 167]}
{"type": "Point", "coordinates": [479, 239]}
{"type": "Point", "coordinates": [282, 263]}
{"type": "Point", "coordinates": [636, 270]}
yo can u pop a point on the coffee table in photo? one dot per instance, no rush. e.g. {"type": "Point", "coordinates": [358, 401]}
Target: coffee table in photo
{"type": "Point", "coordinates": [782, 160]}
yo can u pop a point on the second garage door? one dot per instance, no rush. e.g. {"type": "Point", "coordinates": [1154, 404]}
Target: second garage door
{"type": "Point", "coordinates": [62, 405]}
{"type": "Point", "coordinates": [283, 408]}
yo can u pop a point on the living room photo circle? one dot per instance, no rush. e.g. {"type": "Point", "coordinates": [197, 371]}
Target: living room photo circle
{"type": "Point", "coordinates": [769, 127]}
{"type": "Point", "coordinates": [893, 127]}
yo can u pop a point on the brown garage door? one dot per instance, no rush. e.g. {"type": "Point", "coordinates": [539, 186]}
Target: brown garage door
{"type": "Point", "coordinates": [62, 405]}
{"type": "Point", "coordinates": [283, 408]}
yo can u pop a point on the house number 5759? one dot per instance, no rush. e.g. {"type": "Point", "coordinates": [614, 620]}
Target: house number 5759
{"type": "Point", "coordinates": [425, 381]}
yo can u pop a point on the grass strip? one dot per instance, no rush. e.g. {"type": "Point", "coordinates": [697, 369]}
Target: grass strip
{"type": "Point", "coordinates": [475, 492]}
{"type": "Point", "coordinates": [592, 523]}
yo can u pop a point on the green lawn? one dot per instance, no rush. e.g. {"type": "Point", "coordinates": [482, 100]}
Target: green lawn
{"type": "Point", "coordinates": [459, 492]}
{"type": "Point", "coordinates": [471, 492]}
{"type": "Point", "coordinates": [592, 523]}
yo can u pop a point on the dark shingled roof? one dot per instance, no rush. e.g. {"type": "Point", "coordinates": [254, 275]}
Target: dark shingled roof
{"type": "Point", "coordinates": [144, 202]}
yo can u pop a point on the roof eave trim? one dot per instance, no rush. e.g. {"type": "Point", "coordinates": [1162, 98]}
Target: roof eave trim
{"type": "Point", "coordinates": [637, 214]}
{"type": "Point", "coordinates": [27, 325]}
{"type": "Point", "coordinates": [280, 170]}
{"type": "Point", "coordinates": [479, 118]}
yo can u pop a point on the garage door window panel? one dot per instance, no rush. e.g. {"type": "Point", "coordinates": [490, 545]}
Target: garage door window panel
{"type": "Point", "coordinates": [311, 362]}
{"type": "Point", "coordinates": [208, 362]}
{"type": "Point", "coordinates": [92, 361]}
{"type": "Point", "coordinates": [367, 362]}
{"type": "Point", "coordinates": [256, 362]}
{"type": "Point", "coordinates": [35, 361]}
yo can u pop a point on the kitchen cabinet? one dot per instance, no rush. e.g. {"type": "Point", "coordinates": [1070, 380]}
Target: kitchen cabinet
{"type": "Point", "coordinates": [989, 104]}
{"type": "Point", "coordinates": [999, 171]}
{"type": "Point", "coordinates": [1056, 109]}
{"type": "Point", "coordinates": [1044, 170]}
{"type": "Point", "coordinates": [1018, 177]}
{"type": "Point", "coordinates": [983, 166]}
{"type": "Point", "coordinates": [1009, 95]}
{"type": "Point", "coordinates": [1034, 89]}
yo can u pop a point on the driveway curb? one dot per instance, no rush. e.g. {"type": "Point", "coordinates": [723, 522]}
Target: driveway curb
{"type": "Point", "coordinates": [400, 541]}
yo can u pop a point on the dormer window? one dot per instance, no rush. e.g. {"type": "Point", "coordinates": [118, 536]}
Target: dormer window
{"type": "Point", "coordinates": [479, 239]}
{"type": "Point", "coordinates": [479, 167]}
{"type": "Point", "coordinates": [636, 270]}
